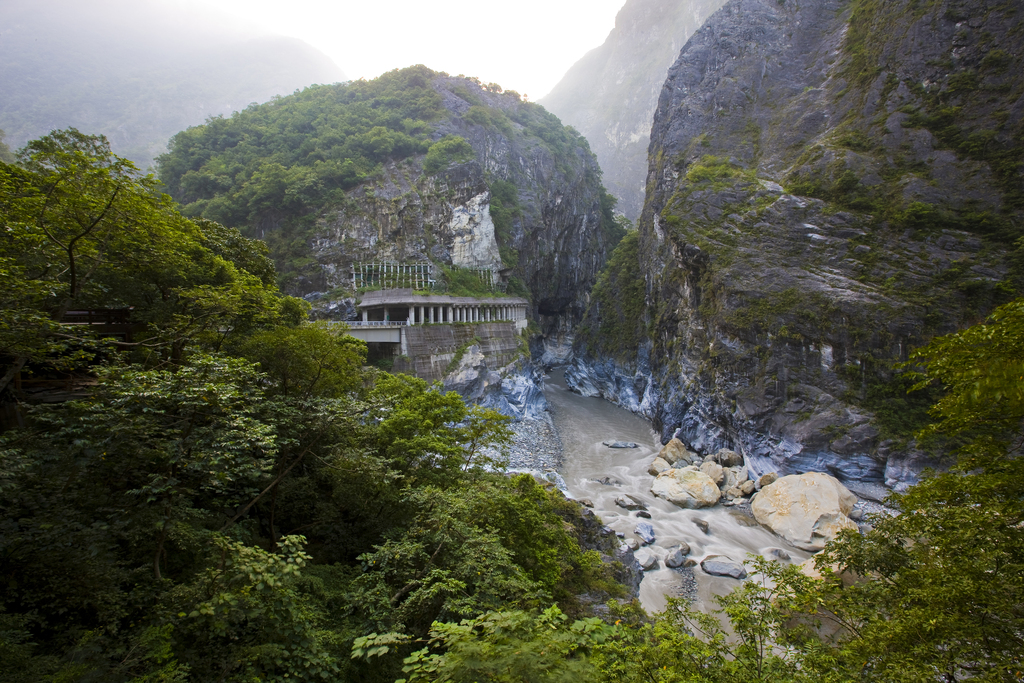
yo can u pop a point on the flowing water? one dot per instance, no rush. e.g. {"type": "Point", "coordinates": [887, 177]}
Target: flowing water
{"type": "Point", "coordinates": [583, 423]}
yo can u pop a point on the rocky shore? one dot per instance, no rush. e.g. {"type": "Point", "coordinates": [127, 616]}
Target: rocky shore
{"type": "Point", "coordinates": [535, 445]}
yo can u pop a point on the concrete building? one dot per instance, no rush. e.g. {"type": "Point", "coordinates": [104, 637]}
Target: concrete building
{"type": "Point", "coordinates": [425, 331]}
{"type": "Point", "coordinates": [403, 306]}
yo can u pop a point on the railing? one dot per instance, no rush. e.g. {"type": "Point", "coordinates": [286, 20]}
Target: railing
{"type": "Point", "coordinates": [370, 323]}
{"type": "Point", "coordinates": [99, 316]}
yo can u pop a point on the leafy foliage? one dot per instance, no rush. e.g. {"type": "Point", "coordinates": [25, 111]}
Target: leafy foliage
{"type": "Point", "coordinates": [448, 150]}
{"type": "Point", "coordinates": [619, 298]}
{"type": "Point", "coordinates": [234, 496]}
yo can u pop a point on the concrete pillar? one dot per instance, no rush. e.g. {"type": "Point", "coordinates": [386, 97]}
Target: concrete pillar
{"type": "Point", "coordinates": [366, 315]}
{"type": "Point", "coordinates": [387, 314]}
{"type": "Point", "coordinates": [451, 313]}
{"type": "Point", "coordinates": [431, 315]}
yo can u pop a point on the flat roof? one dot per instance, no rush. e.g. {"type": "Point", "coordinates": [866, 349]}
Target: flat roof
{"type": "Point", "coordinates": [406, 297]}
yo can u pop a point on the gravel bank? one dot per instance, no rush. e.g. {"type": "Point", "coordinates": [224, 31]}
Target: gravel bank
{"type": "Point", "coordinates": [535, 445]}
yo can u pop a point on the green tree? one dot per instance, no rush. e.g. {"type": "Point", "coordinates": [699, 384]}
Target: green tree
{"type": "Point", "coordinates": [84, 229]}
{"type": "Point", "coordinates": [448, 150]}
{"type": "Point", "coordinates": [946, 574]}
{"type": "Point", "coordinates": [311, 360]}
{"type": "Point", "coordinates": [499, 646]}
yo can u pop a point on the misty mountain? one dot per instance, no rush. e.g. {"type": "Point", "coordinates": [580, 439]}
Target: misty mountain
{"type": "Point", "coordinates": [610, 94]}
{"type": "Point", "coordinates": [91, 66]}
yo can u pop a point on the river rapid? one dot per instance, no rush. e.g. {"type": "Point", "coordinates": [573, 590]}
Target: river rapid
{"type": "Point", "coordinates": [583, 423]}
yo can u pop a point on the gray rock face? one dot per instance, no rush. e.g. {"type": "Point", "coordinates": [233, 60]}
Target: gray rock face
{"type": "Point", "coordinates": [611, 93]}
{"type": "Point", "coordinates": [515, 390]}
{"type": "Point", "coordinates": [325, 308]}
{"type": "Point", "coordinates": [720, 565]}
{"type": "Point", "coordinates": [773, 315]}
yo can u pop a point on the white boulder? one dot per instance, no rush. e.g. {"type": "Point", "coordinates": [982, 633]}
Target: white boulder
{"type": "Point", "coordinates": [687, 487]}
{"type": "Point", "coordinates": [675, 452]}
{"type": "Point", "coordinates": [713, 470]}
{"type": "Point", "coordinates": [658, 466]}
{"type": "Point", "coordinates": [808, 510]}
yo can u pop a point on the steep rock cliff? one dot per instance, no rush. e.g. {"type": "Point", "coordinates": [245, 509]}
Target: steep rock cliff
{"type": "Point", "coordinates": [610, 94]}
{"type": "Point", "coordinates": [830, 184]}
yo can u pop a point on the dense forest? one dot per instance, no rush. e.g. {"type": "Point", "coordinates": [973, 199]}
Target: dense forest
{"type": "Point", "coordinates": [232, 496]}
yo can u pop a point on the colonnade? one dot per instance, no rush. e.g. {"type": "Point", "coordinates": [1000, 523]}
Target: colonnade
{"type": "Point", "coordinates": [448, 313]}
{"type": "Point", "coordinates": [465, 313]}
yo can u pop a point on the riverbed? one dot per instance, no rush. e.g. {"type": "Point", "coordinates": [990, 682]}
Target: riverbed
{"type": "Point", "coordinates": [598, 473]}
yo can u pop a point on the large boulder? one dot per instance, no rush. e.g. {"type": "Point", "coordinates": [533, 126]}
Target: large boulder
{"type": "Point", "coordinates": [646, 558]}
{"type": "Point", "coordinates": [658, 466]}
{"type": "Point", "coordinates": [734, 477]}
{"type": "Point", "coordinates": [687, 487]}
{"type": "Point", "coordinates": [713, 470]}
{"type": "Point", "coordinates": [727, 458]}
{"type": "Point", "coordinates": [677, 555]}
{"type": "Point", "coordinates": [674, 452]}
{"type": "Point", "coordinates": [645, 531]}
{"type": "Point", "coordinates": [808, 510]}
{"type": "Point", "coordinates": [720, 565]}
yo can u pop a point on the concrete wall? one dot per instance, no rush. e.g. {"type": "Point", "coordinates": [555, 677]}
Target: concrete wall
{"type": "Point", "coordinates": [432, 347]}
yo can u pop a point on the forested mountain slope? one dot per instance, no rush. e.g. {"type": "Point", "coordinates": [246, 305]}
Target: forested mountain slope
{"type": "Point", "coordinates": [610, 94]}
{"type": "Point", "coordinates": [830, 185]}
{"type": "Point", "coordinates": [136, 74]}
{"type": "Point", "coordinates": [413, 166]}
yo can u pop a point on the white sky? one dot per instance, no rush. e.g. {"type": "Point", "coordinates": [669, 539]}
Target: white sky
{"type": "Point", "coordinates": [522, 45]}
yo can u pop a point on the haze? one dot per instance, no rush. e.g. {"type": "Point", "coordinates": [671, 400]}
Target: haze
{"type": "Point", "coordinates": [525, 46]}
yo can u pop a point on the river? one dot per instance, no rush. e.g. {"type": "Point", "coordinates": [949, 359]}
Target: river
{"type": "Point", "coordinates": [583, 423]}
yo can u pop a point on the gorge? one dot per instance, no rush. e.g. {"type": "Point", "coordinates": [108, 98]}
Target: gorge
{"type": "Point", "coordinates": [378, 381]}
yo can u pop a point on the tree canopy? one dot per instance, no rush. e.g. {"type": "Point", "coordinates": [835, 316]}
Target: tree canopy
{"type": "Point", "coordinates": [233, 495]}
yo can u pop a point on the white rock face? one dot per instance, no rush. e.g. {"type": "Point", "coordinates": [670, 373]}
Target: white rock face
{"type": "Point", "coordinates": [687, 487]}
{"type": "Point", "coordinates": [475, 245]}
{"type": "Point", "coordinates": [808, 510]}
